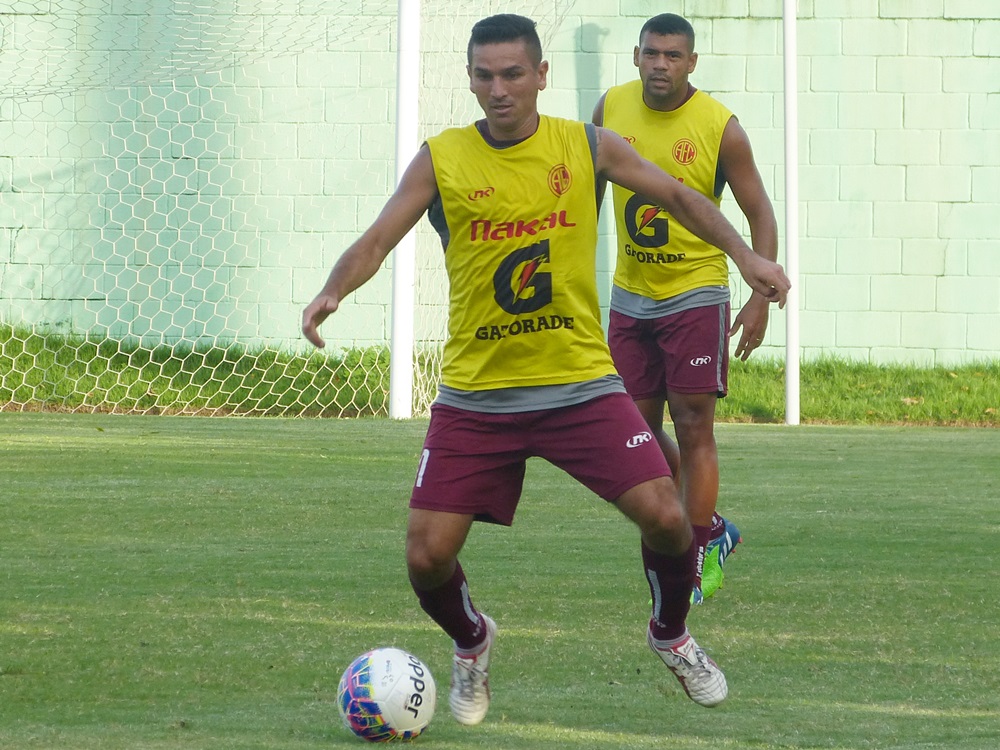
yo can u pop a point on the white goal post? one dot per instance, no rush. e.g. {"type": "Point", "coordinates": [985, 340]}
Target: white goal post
{"type": "Point", "coordinates": [792, 347]}
{"type": "Point", "coordinates": [407, 119]}
{"type": "Point", "coordinates": [404, 265]}
{"type": "Point", "coordinates": [177, 176]}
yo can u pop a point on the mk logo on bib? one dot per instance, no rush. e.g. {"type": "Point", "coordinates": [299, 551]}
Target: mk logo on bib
{"type": "Point", "coordinates": [486, 192]}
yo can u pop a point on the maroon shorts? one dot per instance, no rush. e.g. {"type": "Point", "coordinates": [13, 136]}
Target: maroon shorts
{"type": "Point", "coordinates": [687, 352]}
{"type": "Point", "coordinates": [473, 463]}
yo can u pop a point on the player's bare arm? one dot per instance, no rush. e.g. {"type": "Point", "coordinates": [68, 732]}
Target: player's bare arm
{"type": "Point", "coordinates": [414, 195]}
{"type": "Point", "coordinates": [598, 120]}
{"type": "Point", "coordinates": [740, 170]}
{"type": "Point", "coordinates": [618, 162]}
{"type": "Point", "coordinates": [598, 117]}
{"type": "Point", "coordinates": [741, 173]}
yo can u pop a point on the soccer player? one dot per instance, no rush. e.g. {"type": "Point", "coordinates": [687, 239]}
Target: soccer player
{"type": "Point", "coordinates": [527, 371]}
{"type": "Point", "coordinates": [669, 323]}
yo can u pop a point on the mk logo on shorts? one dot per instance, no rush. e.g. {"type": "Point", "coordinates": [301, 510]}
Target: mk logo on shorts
{"type": "Point", "coordinates": [699, 361]}
{"type": "Point", "coordinates": [636, 440]}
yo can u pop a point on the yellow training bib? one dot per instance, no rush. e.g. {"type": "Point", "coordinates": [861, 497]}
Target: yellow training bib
{"type": "Point", "coordinates": [657, 257]}
{"type": "Point", "coordinates": [520, 257]}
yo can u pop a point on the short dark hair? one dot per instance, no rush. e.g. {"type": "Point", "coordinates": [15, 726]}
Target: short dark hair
{"type": "Point", "coordinates": [667, 24]}
{"type": "Point", "coordinates": [507, 27]}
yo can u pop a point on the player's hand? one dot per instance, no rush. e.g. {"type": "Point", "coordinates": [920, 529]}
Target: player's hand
{"type": "Point", "coordinates": [752, 319]}
{"type": "Point", "coordinates": [313, 316]}
{"type": "Point", "coordinates": [767, 278]}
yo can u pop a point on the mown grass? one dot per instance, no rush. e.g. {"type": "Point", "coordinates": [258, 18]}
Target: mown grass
{"type": "Point", "coordinates": [836, 391]}
{"type": "Point", "coordinates": [54, 372]}
{"type": "Point", "coordinates": [175, 582]}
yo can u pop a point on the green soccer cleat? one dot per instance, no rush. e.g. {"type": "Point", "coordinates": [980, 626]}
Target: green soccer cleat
{"type": "Point", "coordinates": [716, 553]}
{"type": "Point", "coordinates": [712, 575]}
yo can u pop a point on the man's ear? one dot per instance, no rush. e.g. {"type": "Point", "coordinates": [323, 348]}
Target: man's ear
{"type": "Point", "coordinates": [543, 71]}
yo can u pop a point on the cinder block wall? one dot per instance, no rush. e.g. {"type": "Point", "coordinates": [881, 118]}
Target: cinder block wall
{"type": "Point", "coordinates": [234, 209]}
{"type": "Point", "coordinates": [899, 152]}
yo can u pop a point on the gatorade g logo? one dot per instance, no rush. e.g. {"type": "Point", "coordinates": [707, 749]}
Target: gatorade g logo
{"type": "Point", "coordinates": [644, 222]}
{"type": "Point", "coordinates": [520, 286]}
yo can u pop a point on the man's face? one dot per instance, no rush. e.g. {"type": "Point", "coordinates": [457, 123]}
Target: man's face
{"type": "Point", "coordinates": [506, 83]}
{"type": "Point", "coordinates": [664, 64]}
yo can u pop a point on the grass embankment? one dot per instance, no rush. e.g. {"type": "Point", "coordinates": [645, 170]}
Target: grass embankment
{"type": "Point", "coordinates": [834, 391]}
{"type": "Point", "coordinates": [55, 372]}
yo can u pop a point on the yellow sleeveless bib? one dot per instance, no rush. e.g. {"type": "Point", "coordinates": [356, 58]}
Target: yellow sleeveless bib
{"type": "Point", "coordinates": [657, 257]}
{"type": "Point", "coordinates": [522, 227]}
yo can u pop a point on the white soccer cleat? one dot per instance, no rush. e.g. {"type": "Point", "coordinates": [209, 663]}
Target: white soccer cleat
{"type": "Point", "coordinates": [470, 681]}
{"type": "Point", "coordinates": [700, 677]}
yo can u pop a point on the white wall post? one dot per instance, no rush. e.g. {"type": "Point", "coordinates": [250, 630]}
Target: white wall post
{"type": "Point", "coordinates": [404, 256]}
{"type": "Point", "coordinates": [791, 60]}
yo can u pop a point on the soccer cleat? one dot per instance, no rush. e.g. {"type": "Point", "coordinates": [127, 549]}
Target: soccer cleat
{"type": "Point", "coordinates": [470, 681]}
{"type": "Point", "coordinates": [725, 542]}
{"type": "Point", "coordinates": [700, 677]}
{"type": "Point", "coordinates": [711, 579]}
{"type": "Point", "coordinates": [716, 552]}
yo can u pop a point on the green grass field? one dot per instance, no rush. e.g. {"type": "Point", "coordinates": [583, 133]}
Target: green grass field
{"type": "Point", "coordinates": [172, 582]}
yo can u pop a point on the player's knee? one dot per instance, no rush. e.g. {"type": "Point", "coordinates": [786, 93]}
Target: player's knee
{"type": "Point", "coordinates": [669, 522]}
{"type": "Point", "coordinates": [659, 514]}
{"type": "Point", "coordinates": [694, 423]}
{"type": "Point", "coordinates": [420, 562]}
{"type": "Point", "coordinates": [426, 565]}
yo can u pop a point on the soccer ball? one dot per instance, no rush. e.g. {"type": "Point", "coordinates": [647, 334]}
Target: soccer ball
{"type": "Point", "coordinates": [387, 694]}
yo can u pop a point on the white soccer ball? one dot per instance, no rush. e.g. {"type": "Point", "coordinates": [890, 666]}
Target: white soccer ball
{"type": "Point", "coordinates": [387, 694]}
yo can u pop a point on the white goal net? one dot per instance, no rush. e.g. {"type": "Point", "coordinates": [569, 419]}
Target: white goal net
{"type": "Point", "coordinates": [178, 176]}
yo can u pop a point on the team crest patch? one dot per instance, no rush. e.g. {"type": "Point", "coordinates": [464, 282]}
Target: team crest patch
{"type": "Point", "coordinates": [560, 179]}
{"type": "Point", "coordinates": [685, 152]}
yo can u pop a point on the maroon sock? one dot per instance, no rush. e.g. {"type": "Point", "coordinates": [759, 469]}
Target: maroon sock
{"type": "Point", "coordinates": [670, 581]}
{"type": "Point", "coordinates": [450, 607]}
{"type": "Point", "coordinates": [702, 536]}
{"type": "Point", "coordinates": [718, 526]}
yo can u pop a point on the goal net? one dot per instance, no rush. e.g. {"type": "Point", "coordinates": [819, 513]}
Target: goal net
{"type": "Point", "coordinates": [178, 176]}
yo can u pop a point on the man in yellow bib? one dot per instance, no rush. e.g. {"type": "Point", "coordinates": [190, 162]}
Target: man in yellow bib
{"type": "Point", "coordinates": [526, 368]}
{"type": "Point", "coordinates": [669, 324]}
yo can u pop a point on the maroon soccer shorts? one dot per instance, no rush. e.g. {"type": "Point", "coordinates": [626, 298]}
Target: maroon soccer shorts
{"type": "Point", "coordinates": [687, 352]}
{"type": "Point", "coordinates": [473, 463]}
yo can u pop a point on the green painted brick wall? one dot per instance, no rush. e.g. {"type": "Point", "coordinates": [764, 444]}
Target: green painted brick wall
{"type": "Point", "coordinates": [899, 175]}
{"type": "Point", "coordinates": [250, 182]}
